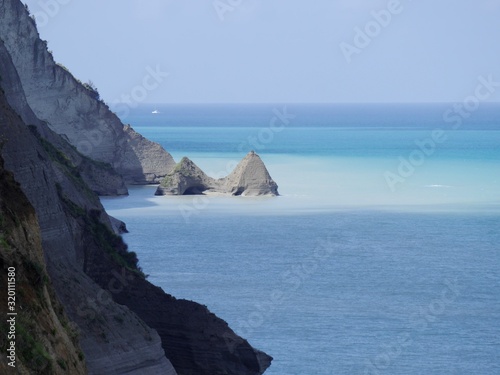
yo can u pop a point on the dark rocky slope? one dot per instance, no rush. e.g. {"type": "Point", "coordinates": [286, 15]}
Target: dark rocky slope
{"type": "Point", "coordinates": [196, 341]}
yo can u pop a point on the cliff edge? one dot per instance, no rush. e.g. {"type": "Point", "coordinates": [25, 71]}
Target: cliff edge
{"type": "Point", "coordinates": [71, 109]}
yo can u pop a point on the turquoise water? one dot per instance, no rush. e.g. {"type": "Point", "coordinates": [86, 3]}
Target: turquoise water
{"type": "Point", "coordinates": [341, 274]}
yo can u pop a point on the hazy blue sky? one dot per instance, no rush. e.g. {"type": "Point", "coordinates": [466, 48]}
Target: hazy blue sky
{"type": "Point", "coordinates": [276, 50]}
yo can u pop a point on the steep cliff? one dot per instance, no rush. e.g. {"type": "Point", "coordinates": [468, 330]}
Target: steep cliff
{"type": "Point", "coordinates": [71, 109]}
{"type": "Point", "coordinates": [45, 342]}
{"type": "Point", "coordinates": [249, 178]}
{"type": "Point", "coordinates": [99, 176]}
{"type": "Point", "coordinates": [114, 340]}
{"type": "Point", "coordinates": [96, 279]}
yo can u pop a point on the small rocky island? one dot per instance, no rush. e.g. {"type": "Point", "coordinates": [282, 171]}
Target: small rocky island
{"type": "Point", "coordinates": [249, 178]}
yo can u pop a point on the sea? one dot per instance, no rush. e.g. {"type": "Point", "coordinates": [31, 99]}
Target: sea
{"type": "Point", "coordinates": [380, 256]}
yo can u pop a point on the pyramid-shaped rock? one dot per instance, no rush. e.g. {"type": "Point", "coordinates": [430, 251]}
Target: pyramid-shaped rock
{"type": "Point", "coordinates": [250, 178]}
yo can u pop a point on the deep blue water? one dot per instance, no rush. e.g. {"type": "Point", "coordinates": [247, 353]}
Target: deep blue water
{"type": "Point", "coordinates": [340, 275]}
{"type": "Point", "coordinates": [418, 116]}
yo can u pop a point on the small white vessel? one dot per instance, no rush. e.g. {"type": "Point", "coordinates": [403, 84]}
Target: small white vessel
{"type": "Point", "coordinates": [155, 112]}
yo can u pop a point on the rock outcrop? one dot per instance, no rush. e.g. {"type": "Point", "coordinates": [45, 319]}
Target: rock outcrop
{"type": "Point", "coordinates": [72, 109]}
{"type": "Point", "coordinates": [119, 227]}
{"type": "Point", "coordinates": [186, 179]}
{"type": "Point", "coordinates": [249, 178]}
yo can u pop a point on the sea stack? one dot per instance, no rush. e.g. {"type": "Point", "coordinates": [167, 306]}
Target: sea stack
{"type": "Point", "coordinates": [249, 178]}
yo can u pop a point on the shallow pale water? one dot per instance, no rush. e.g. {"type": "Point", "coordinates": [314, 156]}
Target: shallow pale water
{"type": "Point", "coordinates": [340, 275]}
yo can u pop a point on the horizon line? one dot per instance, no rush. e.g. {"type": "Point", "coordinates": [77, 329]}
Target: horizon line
{"type": "Point", "coordinates": [299, 103]}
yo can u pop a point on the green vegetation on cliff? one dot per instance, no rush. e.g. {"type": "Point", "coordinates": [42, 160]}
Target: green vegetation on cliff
{"type": "Point", "coordinates": [43, 333]}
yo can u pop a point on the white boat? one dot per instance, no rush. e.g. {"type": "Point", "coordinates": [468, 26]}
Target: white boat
{"type": "Point", "coordinates": [155, 112]}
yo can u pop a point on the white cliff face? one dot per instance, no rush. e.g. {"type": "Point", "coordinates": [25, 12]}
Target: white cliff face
{"type": "Point", "coordinates": [100, 177]}
{"type": "Point", "coordinates": [71, 110]}
{"type": "Point", "coordinates": [249, 178]}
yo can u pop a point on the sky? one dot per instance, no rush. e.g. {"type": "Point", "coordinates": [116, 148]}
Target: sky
{"type": "Point", "coordinates": [275, 51]}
